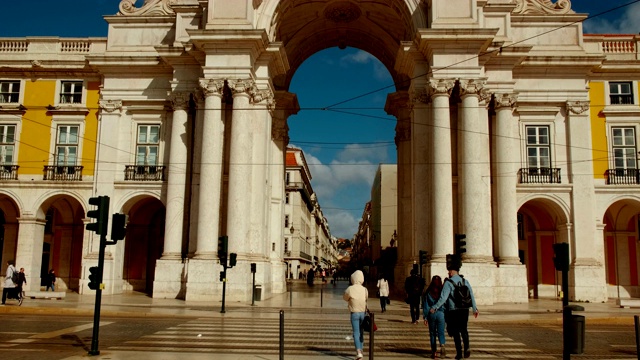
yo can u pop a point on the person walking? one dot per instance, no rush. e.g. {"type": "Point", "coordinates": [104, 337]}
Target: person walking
{"type": "Point", "coordinates": [413, 286]}
{"type": "Point", "coordinates": [456, 317]}
{"type": "Point", "coordinates": [22, 280]}
{"type": "Point", "coordinates": [356, 296]}
{"type": "Point", "coordinates": [51, 280]}
{"type": "Point", "coordinates": [383, 290]}
{"type": "Point", "coordinates": [435, 320]}
{"type": "Point", "coordinates": [8, 292]}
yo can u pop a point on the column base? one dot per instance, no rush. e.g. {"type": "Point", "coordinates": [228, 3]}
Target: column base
{"type": "Point", "coordinates": [168, 279]}
{"type": "Point", "coordinates": [587, 283]}
{"type": "Point", "coordinates": [511, 283]}
{"type": "Point", "coordinates": [203, 280]}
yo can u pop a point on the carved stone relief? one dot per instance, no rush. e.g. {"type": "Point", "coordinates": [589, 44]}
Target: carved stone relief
{"type": "Point", "coordinates": [577, 107]}
{"type": "Point", "coordinates": [148, 8]}
{"type": "Point", "coordinates": [110, 105]}
{"type": "Point", "coordinates": [543, 7]}
{"type": "Point", "coordinates": [502, 101]}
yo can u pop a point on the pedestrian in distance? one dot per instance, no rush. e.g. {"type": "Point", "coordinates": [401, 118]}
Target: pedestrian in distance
{"type": "Point", "coordinates": [51, 280]}
{"type": "Point", "coordinates": [356, 296]}
{"type": "Point", "coordinates": [457, 297]}
{"type": "Point", "coordinates": [383, 292]}
{"type": "Point", "coordinates": [310, 275]}
{"type": "Point", "coordinates": [435, 320]}
{"type": "Point", "coordinates": [413, 286]}
{"type": "Point", "coordinates": [22, 280]}
{"type": "Point", "coordinates": [9, 290]}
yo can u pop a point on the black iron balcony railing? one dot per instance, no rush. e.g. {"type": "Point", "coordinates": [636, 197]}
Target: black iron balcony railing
{"type": "Point", "coordinates": [305, 256]}
{"type": "Point", "coordinates": [63, 172]}
{"type": "Point", "coordinates": [9, 172]}
{"type": "Point", "coordinates": [144, 173]}
{"type": "Point", "coordinates": [623, 176]}
{"type": "Point", "coordinates": [539, 176]}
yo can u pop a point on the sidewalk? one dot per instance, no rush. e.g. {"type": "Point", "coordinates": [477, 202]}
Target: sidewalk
{"type": "Point", "coordinates": [325, 299]}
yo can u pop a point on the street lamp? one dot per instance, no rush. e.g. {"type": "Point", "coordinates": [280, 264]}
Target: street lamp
{"type": "Point", "coordinates": [292, 229]}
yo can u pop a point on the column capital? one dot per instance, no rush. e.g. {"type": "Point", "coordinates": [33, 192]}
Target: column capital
{"type": "Point", "coordinates": [403, 131]}
{"type": "Point", "coordinates": [472, 87]}
{"type": "Point", "coordinates": [578, 107]}
{"type": "Point", "coordinates": [241, 86]}
{"type": "Point", "coordinates": [110, 105]}
{"type": "Point", "coordinates": [258, 96]}
{"type": "Point", "coordinates": [505, 100]}
{"type": "Point", "coordinates": [179, 99]}
{"type": "Point", "coordinates": [440, 86]}
{"type": "Point", "coordinates": [211, 87]}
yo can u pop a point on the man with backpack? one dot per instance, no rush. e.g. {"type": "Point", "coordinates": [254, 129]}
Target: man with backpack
{"type": "Point", "coordinates": [10, 280]}
{"type": "Point", "coordinates": [457, 297]}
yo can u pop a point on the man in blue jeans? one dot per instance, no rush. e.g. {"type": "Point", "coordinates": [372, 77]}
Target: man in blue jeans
{"type": "Point", "coordinates": [456, 319]}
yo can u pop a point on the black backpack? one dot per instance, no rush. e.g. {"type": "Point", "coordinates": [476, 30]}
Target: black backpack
{"type": "Point", "coordinates": [461, 295]}
{"type": "Point", "coordinates": [15, 277]}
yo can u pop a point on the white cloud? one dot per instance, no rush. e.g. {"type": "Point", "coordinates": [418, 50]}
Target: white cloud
{"type": "Point", "coordinates": [342, 223]}
{"type": "Point", "coordinates": [627, 23]}
{"type": "Point", "coordinates": [362, 57]}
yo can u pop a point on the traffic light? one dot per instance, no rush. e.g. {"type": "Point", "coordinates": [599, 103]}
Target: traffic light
{"type": "Point", "coordinates": [223, 243]}
{"type": "Point", "coordinates": [101, 214]}
{"type": "Point", "coordinates": [118, 226]}
{"type": "Point", "coordinates": [253, 268]}
{"type": "Point", "coordinates": [423, 257]}
{"type": "Point", "coordinates": [221, 275]}
{"type": "Point", "coordinates": [460, 244]}
{"type": "Point", "coordinates": [94, 278]}
{"type": "Point", "coordinates": [232, 259]}
{"type": "Point", "coordinates": [561, 259]}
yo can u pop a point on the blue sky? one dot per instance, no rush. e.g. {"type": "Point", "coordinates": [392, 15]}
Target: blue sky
{"type": "Point", "coordinates": [343, 150]}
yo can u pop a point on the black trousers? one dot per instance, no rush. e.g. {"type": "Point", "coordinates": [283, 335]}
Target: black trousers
{"type": "Point", "coordinates": [414, 307]}
{"type": "Point", "coordinates": [9, 293]}
{"type": "Point", "coordinates": [457, 322]}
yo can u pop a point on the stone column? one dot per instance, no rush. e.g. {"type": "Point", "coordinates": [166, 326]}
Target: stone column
{"type": "Point", "coordinates": [442, 206]}
{"type": "Point", "coordinates": [210, 170]}
{"type": "Point", "coordinates": [507, 148]}
{"type": "Point", "coordinates": [202, 282]}
{"type": "Point", "coordinates": [29, 251]}
{"type": "Point", "coordinates": [588, 273]}
{"type": "Point", "coordinates": [169, 269]}
{"type": "Point", "coordinates": [398, 105]}
{"type": "Point", "coordinates": [420, 135]}
{"type": "Point", "coordinates": [474, 186]}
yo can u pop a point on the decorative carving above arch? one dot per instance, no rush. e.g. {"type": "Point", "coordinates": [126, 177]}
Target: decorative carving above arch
{"type": "Point", "coordinates": [148, 8]}
{"type": "Point", "coordinates": [543, 7]}
{"type": "Point", "coordinates": [342, 11]}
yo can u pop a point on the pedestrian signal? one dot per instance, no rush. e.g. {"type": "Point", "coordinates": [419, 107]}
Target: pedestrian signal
{"type": "Point", "coordinates": [101, 215]}
{"type": "Point", "coordinates": [118, 226]}
{"type": "Point", "coordinates": [423, 257]}
{"type": "Point", "coordinates": [95, 278]}
{"type": "Point", "coordinates": [232, 259]}
{"type": "Point", "coordinates": [461, 244]}
{"type": "Point", "coordinates": [561, 259]}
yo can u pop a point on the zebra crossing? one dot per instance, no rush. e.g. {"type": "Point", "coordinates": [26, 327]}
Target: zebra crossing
{"type": "Point", "coordinates": [328, 337]}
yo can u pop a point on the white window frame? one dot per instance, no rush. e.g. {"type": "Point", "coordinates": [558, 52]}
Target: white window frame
{"type": "Point", "coordinates": [66, 145]}
{"type": "Point", "coordinates": [58, 93]}
{"type": "Point", "coordinates": [20, 96]}
{"type": "Point", "coordinates": [633, 155]}
{"type": "Point", "coordinates": [4, 144]}
{"type": "Point", "coordinates": [633, 88]}
{"type": "Point", "coordinates": [66, 120]}
{"type": "Point", "coordinates": [538, 146]}
{"type": "Point", "coordinates": [148, 145]}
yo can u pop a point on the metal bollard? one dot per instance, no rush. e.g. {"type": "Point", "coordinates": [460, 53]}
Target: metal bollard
{"type": "Point", "coordinates": [320, 297]}
{"type": "Point", "coordinates": [637, 326]}
{"type": "Point", "coordinates": [371, 336]}
{"type": "Point", "coordinates": [291, 296]}
{"type": "Point", "coordinates": [281, 334]}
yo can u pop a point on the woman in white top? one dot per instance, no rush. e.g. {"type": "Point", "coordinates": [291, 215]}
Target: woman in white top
{"type": "Point", "coordinates": [383, 290]}
{"type": "Point", "coordinates": [356, 296]}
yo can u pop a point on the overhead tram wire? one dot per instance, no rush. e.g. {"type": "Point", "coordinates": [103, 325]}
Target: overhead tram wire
{"type": "Point", "coordinates": [483, 54]}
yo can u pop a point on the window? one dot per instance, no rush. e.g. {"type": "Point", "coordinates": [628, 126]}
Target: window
{"type": "Point", "coordinates": [71, 92]}
{"type": "Point", "coordinates": [538, 147]}
{"type": "Point", "coordinates": [620, 93]}
{"type": "Point", "coordinates": [286, 178]}
{"type": "Point", "coordinates": [624, 148]}
{"type": "Point", "coordinates": [9, 91]}
{"type": "Point", "coordinates": [286, 198]}
{"type": "Point", "coordinates": [7, 144]}
{"type": "Point", "coordinates": [286, 244]}
{"type": "Point", "coordinates": [148, 145]}
{"type": "Point", "coordinates": [67, 145]}
{"type": "Point", "coordinates": [286, 221]}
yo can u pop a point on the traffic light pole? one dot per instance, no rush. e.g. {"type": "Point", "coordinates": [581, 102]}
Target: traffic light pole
{"type": "Point", "coordinates": [224, 285]}
{"type": "Point", "coordinates": [96, 313]}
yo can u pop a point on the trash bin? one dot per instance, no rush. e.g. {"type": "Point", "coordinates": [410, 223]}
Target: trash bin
{"type": "Point", "coordinates": [577, 330]}
{"type": "Point", "coordinates": [257, 292]}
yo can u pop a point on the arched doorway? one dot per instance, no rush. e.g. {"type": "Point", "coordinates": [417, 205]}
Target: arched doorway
{"type": "Point", "coordinates": [8, 230]}
{"type": "Point", "coordinates": [621, 250]}
{"type": "Point", "coordinates": [541, 223]}
{"type": "Point", "coordinates": [143, 243]}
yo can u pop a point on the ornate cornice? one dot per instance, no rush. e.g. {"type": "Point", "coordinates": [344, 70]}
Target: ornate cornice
{"type": "Point", "coordinates": [110, 105]}
{"type": "Point", "coordinates": [240, 86]}
{"type": "Point", "coordinates": [148, 8]}
{"type": "Point", "coordinates": [577, 107]}
{"type": "Point", "coordinates": [503, 101]}
{"type": "Point", "coordinates": [543, 7]}
{"type": "Point", "coordinates": [179, 100]}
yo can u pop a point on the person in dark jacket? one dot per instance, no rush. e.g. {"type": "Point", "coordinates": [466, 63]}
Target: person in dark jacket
{"type": "Point", "coordinates": [22, 280]}
{"type": "Point", "coordinates": [457, 319]}
{"type": "Point", "coordinates": [413, 285]}
{"type": "Point", "coordinates": [51, 280]}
